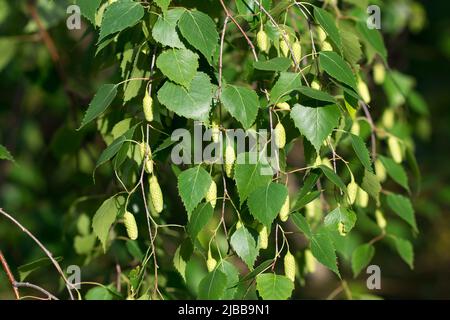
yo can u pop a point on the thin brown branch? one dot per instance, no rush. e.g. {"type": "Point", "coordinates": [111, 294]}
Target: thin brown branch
{"type": "Point", "coordinates": [373, 129]}
{"type": "Point", "coordinates": [8, 272]}
{"type": "Point", "coordinates": [46, 251]}
{"type": "Point", "coordinates": [250, 44]}
{"type": "Point", "coordinates": [35, 287]}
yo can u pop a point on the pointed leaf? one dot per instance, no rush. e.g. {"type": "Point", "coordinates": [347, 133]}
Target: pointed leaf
{"type": "Point", "coordinates": [200, 31]}
{"type": "Point", "coordinates": [164, 31]}
{"type": "Point", "coordinates": [316, 124]}
{"type": "Point", "coordinates": [301, 223]}
{"type": "Point", "coordinates": [199, 219]}
{"type": "Point", "coordinates": [327, 22]}
{"type": "Point", "coordinates": [361, 257]}
{"type": "Point", "coordinates": [213, 285]}
{"type": "Point", "coordinates": [405, 250]}
{"type": "Point", "coordinates": [340, 219]}
{"type": "Point", "coordinates": [275, 64]}
{"type": "Point", "coordinates": [336, 67]}
{"type": "Point", "coordinates": [286, 83]}
{"type": "Point", "coordinates": [403, 207]}
{"type": "Point", "coordinates": [265, 202]}
{"type": "Point", "coordinates": [179, 65]}
{"type": "Point", "coordinates": [4, 154]}
{"type": "Point", "coordinates": [323, 250]}
{"type": "Point", "coordinates": [120, 15]}
{"type": "Point", "coordinates": [271, 286]}
{"type": "Point", "coordinates": [395, 171]}
{"type": "Point", "coordinates": [102, 99]}
{"type": "Point", "coordinates": [241, 103]}
{"type": "Point", "coordinates": [193, 103]}
{"type": "Point", "coordinates": [244, 245]}
{"type": "Point", "coordinates": [193, 184]}
{"type": "Point", "coordinates": [361, 151]}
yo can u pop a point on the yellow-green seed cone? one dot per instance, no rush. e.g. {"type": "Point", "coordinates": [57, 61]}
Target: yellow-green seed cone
{"type": "Point", "coordinates": [381, 221]}
{"type": "Point", "coordinates": [280, 136]}
{"type": "Point", "coordinates": [379, 73]}
{"type": "Point", "coordinates": [364, 91]}
{"type": "Point", "coordinates": [263, 237]}
{"type": "Point", "coordinates": [321, 34]}
{"type": "Point", "coordinates": [388, 118]}
{"type": "Point", "coordinates": [352, 190]}
{"type": "Point", "coordinates": [230, 157]}
{"type": "Point", "coordinates": [362, 198]}
{"type": "Point", "coordinates": [215, 132]}
{"type": "Point", "coordinates": [380, 170]}
{"type": "Point", "coordinates": [263, 41]}
{"type": "Point", "coordinates": [395, 149]}
{"type": "Point", "coordinates": [149, 166]}
{"type": "Point", "coordinates": [284, 46]}
{"type": "Point", "coordinates": [283, 106]}
{"type": "Point", "coordinates": [326, 46]}
{"type": "Point", "coordinates": [211, 195]}
{"type": "Point", "coordinates": [130, 225]}
{"type": "Point", "coordinates": [315, 85]}
{"type": "Point", "coordinates": [289, 266]}
{"type": "Point", "coordinates": [156, 194]}
{"type": "Point", "coordinates": [310, 261]}
{"type": "Point", "coordinates": [211, 263]}
{"type": "Point", "coordinates": [147, 104]}
{"type": "Point", "coordinates": [284, 211]}
{"type": "Point", "coordinates": [297, 49]}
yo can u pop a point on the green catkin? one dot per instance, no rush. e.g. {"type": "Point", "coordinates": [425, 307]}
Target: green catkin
{"type": "Point", "coordinates": [280, 136]}
{"type": "Point", "coordinates": [310, 261]}
{"type": "Point", "coordinates": [380, 170]}
{"type": "Point", "coordinates": [147, 104]}
{"type": "Point", "coordinates": [230, 157]}
{"type": "Point", "coordinates": [395, 149]}
{"type": "Point", "coordinates": [352, 190]}
{"type": "Point", "coordinates": [364, 91]}
{"type": "Point", "coordinates": [284, 106]}
{"type": "Point", "coordinates": [263, 237]}
{"type": "Point", "coordinates": [211, 263]}
{"type": "Point", "coordinates": [289, 266]}
{"type": "Point", "coordinates": [297, 50]}
{"type": "Point", "coordinates": [130, 225]}
{"type": "Point", "coordinates": [381, 221]}
{"type": "Point", "coordinates": [284, 211]}
{"type": "Point", "coordinates": [379, 73]}
{"type": "Point", "coordinates": [263, 41]}
{"type": "Point", "coordinates": [362, 198]}
{"type": "Point", "coordinates": [211, 194]}
{"type": "Point", "coordinates": [156, 194]}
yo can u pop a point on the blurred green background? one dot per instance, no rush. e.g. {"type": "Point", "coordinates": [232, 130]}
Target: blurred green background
{"type": "Point", "coordinates": [41, 104]}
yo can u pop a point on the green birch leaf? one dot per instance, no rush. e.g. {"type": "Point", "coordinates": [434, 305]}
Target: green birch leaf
{"type": "Point", "coordinates": [244, 245]}
{"type": "Point", "coordinates": [265, 202]}
{"type": "Point", "coordinates": [405, 250]}
{"type": "Point", "coordinates": [200, 31]}
{"type": "Point", "coordinates": [336, 67]}
{"type": "Point", "coordinates": [192, 103]}
{"type": "Point", "coordinates": [102, 99]}
{"type": "Point", "coordinates": [286, 83]}
{"type": "Point", "coordinates": [301, 223]}
{"type": "Point", "coordinates": [232, 274]}
{"type": "Point", "coordinates": [193, 184]}
{"type": "Point", "coordinates": [165, 29]}
{"type": "Point", "coordinates": [249, 175]}
{"type": "Point", "coordinates": [199, 219]}
{"type": "Point", "coordinates": [89, 8]}
{"type": "Point", "coordinates": [327, 22]}
{"type": "Point", "coordinates": [333, 177]}
{"type": "Point", "coordinates": [163, 4]}
{"type": "Point", "coordinates": [403, 208]}
{"type": "Point", "coordinates": [372, 37]}
{"type": "Point", "coordinates": [371, 185]}
{"type": "Point", "coordinates": [323, 250]}
{"type": "Point", "coordinates": [316, 94]}
{"type": "Point", "coordinates": [105, 216]}
{"type": "Point", "coordinates": [361, 151]}
{"type": "Point", "coordinates": [316, 124]}
{"type": "Point", "coordinates": [340, 219]}
{"type": "Point", "coordinates": [5, 154]}
{"type": "Point", "coordinates": [271, 286]}
{"type": "Point", "coordinates": [120, 15]}
{"type": "Point", "coordinates": [242, 103]}
{"type": "Point", "coordinates": [213, 285]}
{"type": "Point", "coordinates": [179, 65]}
{"type": "Point", "coordinates": [361, 257]}
{"type": "Point", "coordinates": [395, 171]}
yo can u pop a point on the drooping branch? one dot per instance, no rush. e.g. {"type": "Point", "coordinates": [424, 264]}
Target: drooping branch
{"type": "Point", "coordinates": [46, 251]}
{"type": "Point", "coordinates": [8, 272]}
